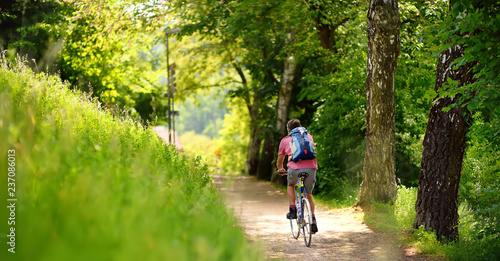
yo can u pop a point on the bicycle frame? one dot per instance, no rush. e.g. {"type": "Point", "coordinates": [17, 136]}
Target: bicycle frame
{"type": "Point", "coordinates": [300, 193]}
{"type": "Point", "coordinates": [303, 220]}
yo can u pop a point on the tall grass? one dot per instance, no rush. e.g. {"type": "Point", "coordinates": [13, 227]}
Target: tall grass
{"type": "Point", "coordinates": [92, 186]}
{"type": "Point", "coordinates": [473, 245]}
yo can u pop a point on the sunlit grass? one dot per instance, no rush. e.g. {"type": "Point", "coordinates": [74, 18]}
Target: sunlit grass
{"type": "Point", "coordinates": [201, 146]}
{"type": "Point", "coordinates": [398, 219]}
{"type": "Point", "coordinates": [92, 186]}
{"type": "Point", "coordinates": [348, 198]}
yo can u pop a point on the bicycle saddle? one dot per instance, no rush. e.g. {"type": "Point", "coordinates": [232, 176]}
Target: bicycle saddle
{"type": "Point", "coordinates": [303, 175]}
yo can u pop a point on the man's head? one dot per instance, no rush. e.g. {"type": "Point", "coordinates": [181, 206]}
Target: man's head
{"type": "Point", "coordinates": [292, 124]}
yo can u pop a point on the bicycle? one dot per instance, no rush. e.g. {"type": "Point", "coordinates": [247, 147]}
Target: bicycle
{"type": "Point", "coordinates": [304, 215]}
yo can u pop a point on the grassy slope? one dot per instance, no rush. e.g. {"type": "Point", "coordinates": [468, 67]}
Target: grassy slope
{"type": "Point", "coordinates": [93, 187]}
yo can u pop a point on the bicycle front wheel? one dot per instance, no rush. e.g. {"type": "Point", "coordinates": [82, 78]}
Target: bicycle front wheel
{"type": "Point", "coordinates": [295, 226]}
{"type": "Point", "coordinates": [306, 221]}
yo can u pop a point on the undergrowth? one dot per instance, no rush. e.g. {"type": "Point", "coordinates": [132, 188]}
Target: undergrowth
{"type": "Point", "coordinates": [397, 218]}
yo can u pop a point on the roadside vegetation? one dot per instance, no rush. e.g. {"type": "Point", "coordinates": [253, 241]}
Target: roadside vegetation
{"type": "Point", "coordinates": [478, 241]}
{"type": "Point", "coordinates": [95, 184]}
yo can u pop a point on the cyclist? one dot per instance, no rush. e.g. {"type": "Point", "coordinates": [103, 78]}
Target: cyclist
{"type": "Point", "coordinates": [294, 168]}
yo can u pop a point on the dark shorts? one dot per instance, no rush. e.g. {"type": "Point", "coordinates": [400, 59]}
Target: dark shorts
{"type": "Point", "coordinates": [293, 178]}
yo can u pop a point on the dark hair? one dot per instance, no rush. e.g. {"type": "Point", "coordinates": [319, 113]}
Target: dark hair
{"type": "Point", "coordinates": [292, 124]}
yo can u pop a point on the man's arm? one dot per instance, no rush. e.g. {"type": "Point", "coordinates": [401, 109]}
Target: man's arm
{"type": "Point", "coordinates": [279, 164]}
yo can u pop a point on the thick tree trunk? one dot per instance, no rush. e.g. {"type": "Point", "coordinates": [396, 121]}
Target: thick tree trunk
{"type": "Point", "coordinates": [444, 145]}
{"type": "Point", "coordinates": [379, 179]}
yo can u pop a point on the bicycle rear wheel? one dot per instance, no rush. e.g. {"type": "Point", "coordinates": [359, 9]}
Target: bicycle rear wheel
{"type": "Point", "coordinates": [306, 221]}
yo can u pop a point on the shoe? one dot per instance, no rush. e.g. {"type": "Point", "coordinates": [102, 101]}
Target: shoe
{"type": "Point", "coordinates": [292, 214]}
{"type": "Point", "coordinates": [314, 226]}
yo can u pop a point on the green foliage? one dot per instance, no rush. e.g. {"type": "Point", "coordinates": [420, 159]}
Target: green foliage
{"type": "Point", "coordinates": [396, 217]}
{"type": "Point", "coordinates": [339, 123]}
{"type": "Point", "coordinates": [95, 187]}
{"type": "Point", "coordinates": [481, 175]}
{"type": "Point", "coordinates": [202, 146]}
{"type": "Point", "coordinates": [32, 28]}
{"type": "Point", "coordinates": [251, 38]}
{"type": "Point", "coordinates": [473, 24]}
{"type": "Point", "coordinates": [427, 242]}
{"type": "Point", "coordinates": [102, 50]}
{"type": "Point", "coordinates": [414, 84]}
{"type": "Point", "coordinates": [405, 207]}
{"type": "Point", "coordinates": [233, 140]}
{"type": "Point", "coordinates": [107, 48]}
{"type": "Point", "coordinates": [225, 154]}
{"type": "Point", "coordinates": [202, 114]}
{"type": "Point", "coordinates": [381, 217]}
{"type": "Point", "coordinates": [399, 217]}
{"type": "Point", "coordinates": [347, 199]}
{"type": "Point", "coordinates": [469, 247]}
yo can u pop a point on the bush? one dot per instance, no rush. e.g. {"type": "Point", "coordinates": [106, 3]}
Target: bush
{"type": "Point", "coordinates": [405, 207]}
{"type": "Point", "coordinates": [474, 244]}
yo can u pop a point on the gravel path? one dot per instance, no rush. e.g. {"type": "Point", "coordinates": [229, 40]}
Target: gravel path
{"type": "Point", "coordinates": [261, 210]}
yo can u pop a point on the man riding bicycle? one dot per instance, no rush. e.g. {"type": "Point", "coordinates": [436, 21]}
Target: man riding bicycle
{"type": "Point", "coordinates": [310, 166]}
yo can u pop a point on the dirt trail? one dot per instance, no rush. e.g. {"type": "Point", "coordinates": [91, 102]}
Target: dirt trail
{"type": "Point", "coordinates": [261, 209]}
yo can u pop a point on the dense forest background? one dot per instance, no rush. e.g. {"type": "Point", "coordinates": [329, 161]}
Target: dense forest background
{"type": "Point", "coordinates": [235, 58]}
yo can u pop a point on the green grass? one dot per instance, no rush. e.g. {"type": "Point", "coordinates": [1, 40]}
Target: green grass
{"type": "Point", "coordinates": [399, 218]}
{"type": "Point", "coordinates": [93, 186]}
{"type": "Point", "coordinates": [346, 199]}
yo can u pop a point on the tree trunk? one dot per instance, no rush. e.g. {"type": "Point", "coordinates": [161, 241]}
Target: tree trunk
{"type": "Point", "coordinates": [253, 151]}
{"type": "Point", "coordinates": [266, 170]}
{"type": "Point", "coordinates": [285, 93]}
{"type": "Point", "coordinates": [379, 179]}
{"type": "Point", "coordinates": [444, 145]}
{"type": "Point", "coordinates": [266, 167]}
{"type": "Point", "coordinates": [326, 32]}
{"type": "Point", "coordinates": [252, 163]}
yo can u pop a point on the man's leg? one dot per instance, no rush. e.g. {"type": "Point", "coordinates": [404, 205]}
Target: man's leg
{"type": "Point", "coordinates": [291, 194]}
{"type": "Point", "coordinates": [292, 214]}
{"type": "Point", "coordinates": [314, 225]}
{"type": "Point", "coordinates": [311, 202]}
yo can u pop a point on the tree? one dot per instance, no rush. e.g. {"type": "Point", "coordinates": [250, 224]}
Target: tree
{"type": "Point", "coordinates": [285, 93]}
{"type": "Point", "coordinates": [415, 76]}
{"type": "Point", "coordinates": [464, 80]}
{"type": "Point", "coordinates": [379, 179]}
{"type": "Point", "coordinates": [105, 49]}
{"type": "Point", "coordinates": [328, 17]}
{"type": "Point", "coordinates": [33, 29]}
{"type": "Point", "coordinates": [444, 146]}
{"type": "Point", "coordinates": [258, 31]}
